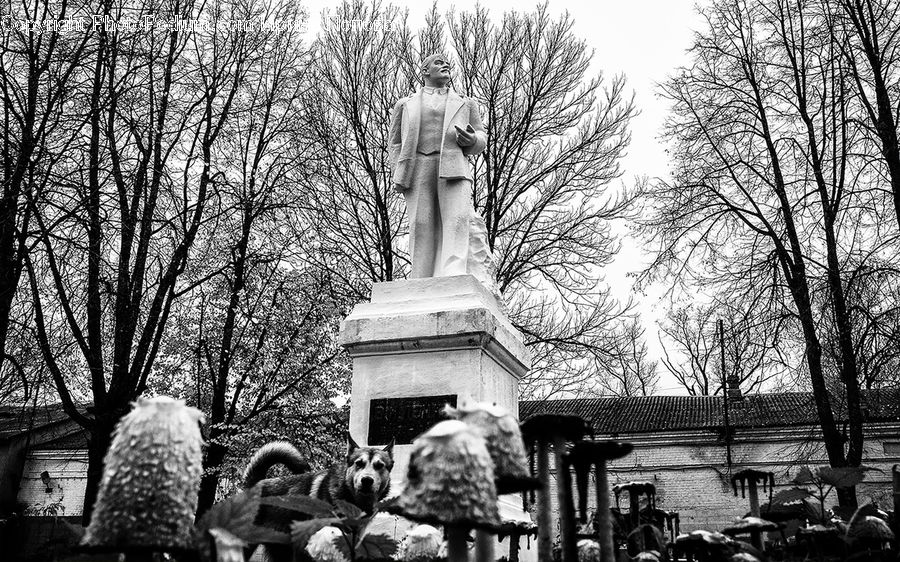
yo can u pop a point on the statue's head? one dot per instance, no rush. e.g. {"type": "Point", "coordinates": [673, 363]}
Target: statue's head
{"type": "Point", "coordinates": [436, 70]}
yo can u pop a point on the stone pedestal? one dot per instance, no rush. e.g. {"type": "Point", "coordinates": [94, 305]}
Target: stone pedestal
{"type": "Point", "coordinates": [420, 343]}
{"type": "Point", "coordinates": [431, 337]}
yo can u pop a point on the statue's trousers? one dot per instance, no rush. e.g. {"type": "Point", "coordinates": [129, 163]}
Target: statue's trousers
{"type": "Point", "coordinates": [439, 220]}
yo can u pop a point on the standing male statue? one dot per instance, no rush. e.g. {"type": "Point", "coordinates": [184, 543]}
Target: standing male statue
{"type": "Point", "coordinates": [432, 133]}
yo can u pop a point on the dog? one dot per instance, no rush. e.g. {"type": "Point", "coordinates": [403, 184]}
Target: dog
{"type": "Point", "coordinates": [363, 480]}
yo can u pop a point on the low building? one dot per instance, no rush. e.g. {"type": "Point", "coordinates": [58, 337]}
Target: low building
{"type": "Point", "coordinates": [43, 473]}
{"type": "Point", "coordinates": [689, 449]}
{"type": "Point", "coordinates": [685, 445]}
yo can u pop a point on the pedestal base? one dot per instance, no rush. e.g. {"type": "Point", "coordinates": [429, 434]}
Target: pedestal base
{"type": "Point", "coordinates": [433, 337]}
{"type": "Point", "coordinates": [420, 343]}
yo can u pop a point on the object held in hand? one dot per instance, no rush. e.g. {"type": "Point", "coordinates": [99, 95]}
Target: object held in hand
{"type": "Point", "coordinates": [465, 137]}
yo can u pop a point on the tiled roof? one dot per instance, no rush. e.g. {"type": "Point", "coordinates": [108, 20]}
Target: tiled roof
{"type": "Point", "coordinates": [15, 420]}
{"type": "Point", "coordinates": [645, 414]}
{"type": "Point", "coordinates": [45, 423]}
{"type": "Point", "coordinates": [78, 439]}
{"type": "Point", "coordinates": [611, 415]}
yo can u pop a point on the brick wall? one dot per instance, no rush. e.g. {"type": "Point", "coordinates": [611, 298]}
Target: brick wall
{"type": "Point", "coordinates": [67, 469]}
{"type": "Point", "coordinates": [692, 476]}
{"type": "Point", "coordinates": [689, 471]}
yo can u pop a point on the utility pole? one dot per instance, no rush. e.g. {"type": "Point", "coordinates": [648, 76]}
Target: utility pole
{"type": "Point", "coordinates": [725, 396]}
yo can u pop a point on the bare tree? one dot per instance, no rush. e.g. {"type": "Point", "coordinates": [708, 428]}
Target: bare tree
{"type": "Point", "coordinates": [36, 69]}
{"type": "Point", "coordinates": [555, 138]}
{"type": "Point", "coordinates": [872, 51]}
{"type": "Point", "coordinates": [874, 306]}
{"type": "Point", "coordinates": [629, 372]}
{"type": "Point", "coordinates": [264, 340]}
{"type": "Point", "coordinates": [362, 64]}
{"type": "Point", "coordinates": [770, 200]}
{"type": "Point", "coordinates": [264, 368]}
{"type": "Point", "coordinates": [693, 363]}
{"type": "Point", "coordinates": [816, 70]}
{"type": "Point", "coordinates": [117, 225]}
{"type": "Point", "coordinates": [751, 352]}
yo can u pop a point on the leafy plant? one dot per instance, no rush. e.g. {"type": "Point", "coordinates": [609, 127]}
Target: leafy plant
{"type": "Point", "coordinates": [237, 515]}
{"type": "Point", "coordinates": [353, 542]}
{"type": "Point", "coordinates": [51, 509]}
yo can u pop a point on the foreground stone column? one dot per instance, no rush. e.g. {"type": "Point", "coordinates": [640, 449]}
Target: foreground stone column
{"type": "Point", "coordinates": [422, 343]}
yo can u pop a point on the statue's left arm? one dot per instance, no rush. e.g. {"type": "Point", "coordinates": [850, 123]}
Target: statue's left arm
{"type": "Point", "coordinates": [480, 133]}
{"type": "Point", "coordinates": [395, 140]}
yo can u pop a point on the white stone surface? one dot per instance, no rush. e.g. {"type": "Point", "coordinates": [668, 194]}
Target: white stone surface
{"type": "Point", "coordinates": [431, 337]}
{"type": "Point", "coordinates": [67, 469]}
{"type": "Point", "coordinates": [410, 315]}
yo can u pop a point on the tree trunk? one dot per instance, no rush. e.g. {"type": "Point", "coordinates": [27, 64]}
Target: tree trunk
{"type": "Point", "coordinates": [209, 484]}
{"type": "Point", "coordinates": [885, 125]}
{"type": "Point", "coordinates": [887, 130]}
{"type": "Point", "coordinates": [847, 498]}
{"type": "Point", "coordinates": [792, 260]}
{"type": "Point", "coordinates": [867, 31]}
{"type": "Point", "coordinates": [99, 439]}
{"type": "Point", "coordinates": [848, 363]}
{"type": "Point", "coordinates": [834, 441]}
{"type": "Point", "coordinates": [7, 292]}
{"type": "Point", "coordinates": [891, 153]}
{"type": "Point", "coordinates": [12, 247]}
{"type": "Point", "coordinates": [10, 267]}
{"type": "Point", "coordinates": [216, 452]}
{"type": "Point", "coordinates": [848, 367]}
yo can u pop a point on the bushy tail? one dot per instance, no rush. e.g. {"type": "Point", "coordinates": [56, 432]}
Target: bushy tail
{"type": "Point", "coordinates": [270, 454]}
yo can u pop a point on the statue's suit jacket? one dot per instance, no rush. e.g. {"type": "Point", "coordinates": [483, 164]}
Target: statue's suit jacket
{"type": "Point", "coordinates": [404, 138]}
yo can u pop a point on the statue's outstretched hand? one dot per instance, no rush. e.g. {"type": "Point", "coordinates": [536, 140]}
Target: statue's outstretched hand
{"type": "Point", "coordinates": [465, 137]}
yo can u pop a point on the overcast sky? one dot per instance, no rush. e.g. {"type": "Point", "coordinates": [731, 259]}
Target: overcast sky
{"type": "Point", "coordinates": [643, 39]}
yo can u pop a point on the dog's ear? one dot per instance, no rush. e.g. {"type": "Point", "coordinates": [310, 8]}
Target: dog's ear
{"type": "Point", "coordinates": [351, 444]}
{"type": "Point", "coordinates": [389, 448]}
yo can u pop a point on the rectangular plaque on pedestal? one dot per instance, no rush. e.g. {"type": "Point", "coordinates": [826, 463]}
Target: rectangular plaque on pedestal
{"type": "Point", "coordinates": [403, 419]}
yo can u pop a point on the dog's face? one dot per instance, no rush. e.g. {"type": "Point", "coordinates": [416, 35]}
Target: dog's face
{"type": "Point", "coordinates": [369, 471]}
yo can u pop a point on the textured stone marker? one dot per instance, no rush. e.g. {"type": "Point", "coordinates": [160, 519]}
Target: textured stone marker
{"type": "Point", "coordinates": [403, 419]}
{"type": "Point", "coordinates": [151, 474]}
